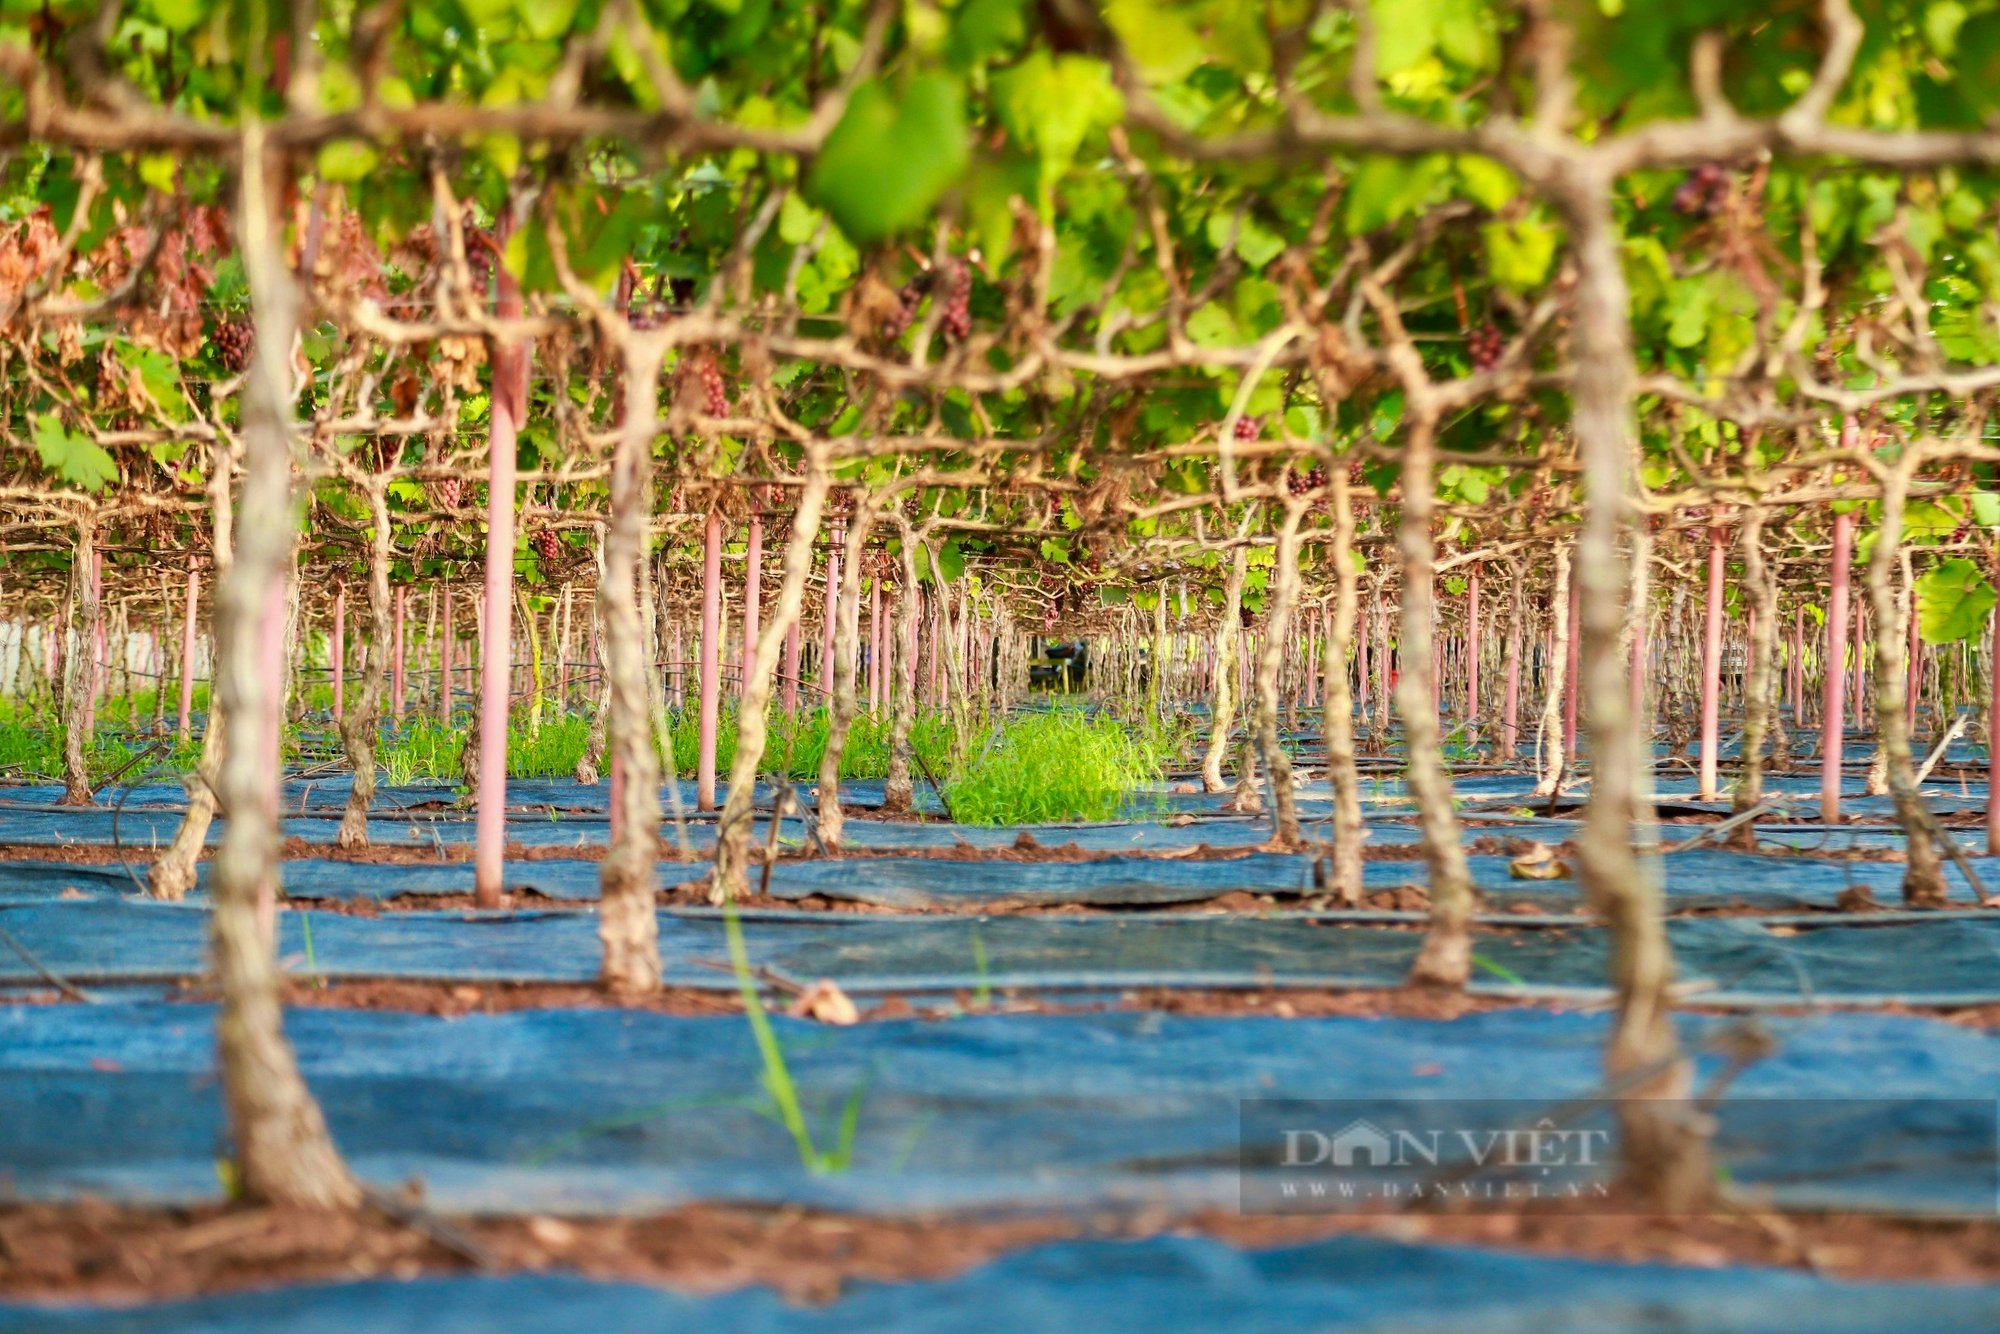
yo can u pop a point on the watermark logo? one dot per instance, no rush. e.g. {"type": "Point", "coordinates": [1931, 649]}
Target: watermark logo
{"type": "Point", "coordinates": [1932, 1156]}
{"type": "Point", "coordinates": [1543, 1146]}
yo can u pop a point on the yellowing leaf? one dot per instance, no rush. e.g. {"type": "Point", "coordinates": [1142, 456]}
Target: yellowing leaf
{"type": "Point", "coordinates": [1159, 39]}
{"type": "Point", "coordinates": [1518, 254]}
{"type": "Point", "coordinates": [347, 160]}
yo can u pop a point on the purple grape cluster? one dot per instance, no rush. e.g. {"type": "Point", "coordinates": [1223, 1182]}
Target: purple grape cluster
{"type": "Point", "coordinates": [1485, 345]}
{"type": "Point", "coordinates": [1702, 193]}
{"type": "Point", "coordinates": [908, 298]}
{"type": "Point", "coordinates": [479, 259]}
{"type": "Point", "coordinates": [232, 340]}
{"type": "Point", "coordinates": [958, 303]}
{"type": "Point", "coordinates": [716, 400]}
{"type": "Point", "coordinates": [447, 493]}
{"type": "Point", "coordinates": [1301, 483]}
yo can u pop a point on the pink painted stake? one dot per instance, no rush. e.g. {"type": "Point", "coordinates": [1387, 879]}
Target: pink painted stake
{"type": "Point", "coordinates": [266, 732]}
{"type": "Point", "coordinates": [1799, 665]}
{"type": "Point", "coordinates": [1711, 667]}
{"type": "Point", "coordinates": [1510, 706]}
{"type": "Point", "coordinates": [1993, 741]}
{"type": "Point", "coordinates": [1472, 646]}
{"type": "Point", "coordinates": [1914, 674]}
{"type": "Point", "coordinates": [187, 653]}
{"type": "Point", "coordinates": [753, 595]}
{"type": "Point", "coordinates": [99, 663]}
{"type": "Point", "coordinates": [496, 658]}
{"type": "Point", "coordinates": [875, 646]}
{"type": "Point", "coordinates": [791, 669]}
{"type": "Point", "coordinates": [336, 665]}
{"type": "Point", "coordinates": [617, 793]}
{"type": "Point", "coordinates": [1312, 658]}
{"type": "Point", "coordinates": [679, 674]}
{"type": "Point", "coordinates": [1860, 665]}
{"type": "Point", "coordinates": [1327, 668]}
{"type": "Point", "coordinates": [711, 659]}
{"type": "Point", "coordinates": [1832, 712]}
{"type": "Point", "coordinates": [937, 653]}
{"type": "Point", "coordinates": [1572, 668]}
{"type": "Point", "coordinates": [444, 659]}
{"type": "Point", "coordinates": [832, 615]}
{"type": "Point", "coordinates": [1361, 658]}
{"type": "Point", "coordinates": [396, 660]}
{"type": "Point", "coordinates": [1641, 651]}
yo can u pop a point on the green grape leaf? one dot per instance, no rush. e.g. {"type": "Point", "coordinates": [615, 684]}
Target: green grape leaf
{"type": "Point", "coordinates": [75, 459]}
{"type": "Point", "coordinates": [1953, 602]}
{"type": "Point", "coordinates": [889, 160]}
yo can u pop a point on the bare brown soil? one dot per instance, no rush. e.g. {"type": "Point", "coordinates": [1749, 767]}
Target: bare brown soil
{"type": "Point", "coordinates": [451, 999]}
{"type": "Point", "coordinates": [96, 1251]}
{"type": "Point", "coordinates": [74, 854]}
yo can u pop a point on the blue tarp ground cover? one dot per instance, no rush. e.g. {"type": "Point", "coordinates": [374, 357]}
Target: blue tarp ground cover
{"type": "Point", "coordinates": [1698, 878]}
{"type": "Point", "coordinates": [1945, 960]}
{"type": "Point", "coordinates": [1797, 793]}
{"type": "Point", "coordinates": [1164, 1285]}
{"type": "Point", "coordinates": [593, 1111]}
{"type": "Point", "coordinates": [141, 831]}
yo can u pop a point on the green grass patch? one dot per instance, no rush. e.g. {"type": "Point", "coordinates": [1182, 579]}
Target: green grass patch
{"type": "Point", "coordinates": [1050, 767]}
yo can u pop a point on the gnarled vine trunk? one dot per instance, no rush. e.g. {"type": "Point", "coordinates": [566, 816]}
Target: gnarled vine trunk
{"type": "Point", "coordinates": [284, 1154]}
{"type": "Point", "coordinates": [1348, 828]}
{"type": "Point", "coordinates": [1760, 697]}
{"type": "Point", "coordinates": [1923, 877]}
{"type": "Point", "coordinates": [360, 727]}
{"type": "Point", "coordinates": [172, 874]}
{"type": "Point", "coordinates": [1277, 639]}
{"type": "Point", "coordinates": [846, 652]}
{"type": "Point", "coordinates": [1446, 957]}
{"type": "Point", "coordinates": [1662, 1138]}
{"type": "Point", "coordinates": [898, 793]}
{"type": "Point", "coordinates": [1223, 714]}
{"type": "Point", "coordinates": [85, 614]}
{"type": "Point", "coordinates": [732, 838]}
{"type": "Point", "coordinates": [1551, 757]}
{"type": "Point", "coordinates": [627, 924]}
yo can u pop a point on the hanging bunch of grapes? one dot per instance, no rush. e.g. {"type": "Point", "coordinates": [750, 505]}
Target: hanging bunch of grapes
{"type": "Point", "coordinates": [1248, 428]}
{"type": "Point", "coordinates": [548, 547]}
{"type": "Point", "coordinates": [715, 396]}
{"type": "Point", "coordinates": [1485, 345]}
{"type": "Point", "coordinates": [1703, 192]}
{"type": "Point", "coordinates": [1304, 483]}
{"type": "Point", "coordinates": [232, 341]}
{"type": "Point", "coordinates": [908, 299]}
{"type": "Point", "coordinates": [957, 322]}
{"type": "Point", "coordinates": [447, 493]}
{"type": "Point", "coordinates": [479, 259]}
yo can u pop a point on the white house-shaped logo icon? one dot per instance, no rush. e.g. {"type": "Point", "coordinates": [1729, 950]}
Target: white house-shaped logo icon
{"type": "Point", "coordinates": [1362, 1144]}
